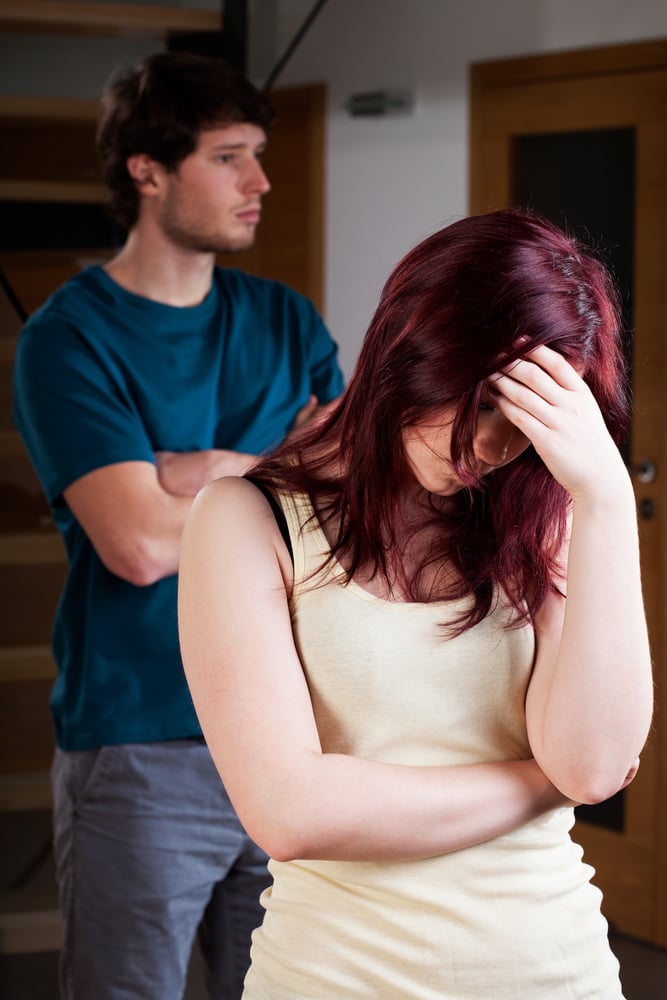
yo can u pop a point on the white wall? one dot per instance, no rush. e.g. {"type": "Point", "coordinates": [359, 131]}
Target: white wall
{"type": "Point", "coordinates": [391, 181]}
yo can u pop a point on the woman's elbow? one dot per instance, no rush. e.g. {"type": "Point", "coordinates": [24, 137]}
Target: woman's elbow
{"type": "Point", "coordinates": [590, 786]}
{"type": "Point", "coordinates": [284, 836]}
{"type": "Point", "coordinates": [281, 841]}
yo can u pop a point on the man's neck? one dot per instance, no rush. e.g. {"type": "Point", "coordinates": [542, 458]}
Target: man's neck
{"type": "Point", "coordinates": [151, 266]}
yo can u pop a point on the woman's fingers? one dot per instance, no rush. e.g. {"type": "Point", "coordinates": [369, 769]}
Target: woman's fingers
{"type": "Point", "coordinates": [543, 371]}
{"type": "Point", "coordinates": [562, 371]}
{"type": "Point", "coordinates": [522, 400]}
{"type": "Point", "coordinates": [548, 401]}
{"type": "Point", "coordinates": [545, 385]}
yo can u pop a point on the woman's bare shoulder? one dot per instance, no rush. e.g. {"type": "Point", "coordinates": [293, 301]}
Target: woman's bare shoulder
{"type": "Point", "coordinates": [233, 516]}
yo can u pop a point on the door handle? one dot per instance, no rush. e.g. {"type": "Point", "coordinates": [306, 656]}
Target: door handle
{"type": "Point", "coordinates": [643, 471]}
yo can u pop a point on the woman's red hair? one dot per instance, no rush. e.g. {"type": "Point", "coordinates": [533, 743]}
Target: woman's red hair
{"type": "Point", "coordinates": [470, 298]}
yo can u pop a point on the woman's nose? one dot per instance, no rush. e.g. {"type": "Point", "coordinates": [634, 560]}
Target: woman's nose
{"type": "Point", "coordinates": [499, 441]}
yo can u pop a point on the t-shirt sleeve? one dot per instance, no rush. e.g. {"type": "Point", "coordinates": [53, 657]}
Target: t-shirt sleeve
{"type": "Point", "coordinates": [73, 411]}
{"type": "Point", "coordinates": [327, 380]}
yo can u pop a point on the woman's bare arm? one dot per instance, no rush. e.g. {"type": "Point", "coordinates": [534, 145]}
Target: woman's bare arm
{"type": "Point", "coordinates": [590, 698]}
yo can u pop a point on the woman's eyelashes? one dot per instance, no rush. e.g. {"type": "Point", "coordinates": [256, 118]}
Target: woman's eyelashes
{"type": "Point", "coordinates": [487, 403]}
{"type": "Point", "coordinates": [489, 398]}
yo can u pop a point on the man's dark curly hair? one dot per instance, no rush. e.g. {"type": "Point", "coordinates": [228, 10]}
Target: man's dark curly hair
{"type": "Point", "coordinates": [160, 107]}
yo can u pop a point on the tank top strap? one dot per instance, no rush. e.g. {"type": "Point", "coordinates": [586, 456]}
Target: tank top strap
{"type": "Point", "coordinates": [309, 543]}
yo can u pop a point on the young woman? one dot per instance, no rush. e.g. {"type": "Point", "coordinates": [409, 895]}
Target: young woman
{"type": "Point", "coordinates": [415, 638]}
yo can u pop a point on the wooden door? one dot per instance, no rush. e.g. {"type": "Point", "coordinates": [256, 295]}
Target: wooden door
{"type": "Point", "coordinates": [589, 99]}
{"type": "Point", "coordinates": [290, 238]}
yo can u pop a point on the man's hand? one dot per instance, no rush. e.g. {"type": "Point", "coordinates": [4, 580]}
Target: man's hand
{"type": "Point", "coordinates": [310, 411]}
{"type": "Point", "coordinates": [183, 474]}
{"type": "Point", "coordinates": [306, 413]}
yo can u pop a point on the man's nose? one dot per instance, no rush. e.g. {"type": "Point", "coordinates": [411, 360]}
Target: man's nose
{"type": "Point", "coordinates": [255, 178]}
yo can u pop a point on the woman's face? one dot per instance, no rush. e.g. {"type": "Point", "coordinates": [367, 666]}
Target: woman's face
{"type": "Point", "coordinates": [427, 448]}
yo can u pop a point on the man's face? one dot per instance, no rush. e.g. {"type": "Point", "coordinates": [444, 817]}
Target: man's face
{"type": "Point", "coordinates": [212, 201]}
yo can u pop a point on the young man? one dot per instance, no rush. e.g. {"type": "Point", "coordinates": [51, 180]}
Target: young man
{"type": "Point", "coordinates": [136, 384]}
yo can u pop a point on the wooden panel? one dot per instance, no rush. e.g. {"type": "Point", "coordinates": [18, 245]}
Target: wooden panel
{"type": "Point", "coordinates": [28, 549]}
{"type": "Point", "coordinates": [25, 791]}
{"type": "Point", "coordinates": [10, 324]}
{"type": "Point", "coordinates": [631, 906]}
{"type": "Point", "coordinates": [26, 728]}
{"type": "Point", "coordinates": [576, 64]}
{"type": "Point", "coordinates": [68, 147]}
{"type": "Point", "coordinates": [5, 395]}
{"type": "Point", "coordinates": [26, 663]}
{"type": "Point", "coordinates": [54, 108]}
{"type": "Point", "coordinates": [35, 274]}
{"type": "Point", "coordinates": [23, 505]}
{"type": "Point", "coordinates": [53, 16]}
{"type": "Point", "coordinates": [30, 596]}
{"type": "Point", "coordinates": [49, 150]}
{"type": "Point", "coordinates": [61, 190]}
{"type": "Point", "coordinates": [27, 932]}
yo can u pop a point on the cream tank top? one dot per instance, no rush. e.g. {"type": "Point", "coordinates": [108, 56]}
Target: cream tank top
{"type": "Point", "coordinates": [513, 919]}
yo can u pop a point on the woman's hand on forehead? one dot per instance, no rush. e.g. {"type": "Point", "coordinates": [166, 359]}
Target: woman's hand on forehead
{"type": "Point", "coordinates": [543, 395]}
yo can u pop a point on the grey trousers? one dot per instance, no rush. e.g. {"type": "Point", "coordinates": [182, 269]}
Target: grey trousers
{"type": "Point", "coordinates": [149, 853]}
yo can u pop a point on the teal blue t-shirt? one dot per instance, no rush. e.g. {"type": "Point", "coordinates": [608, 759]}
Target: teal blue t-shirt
{"type": "Point", "coordinates": [105, 376]}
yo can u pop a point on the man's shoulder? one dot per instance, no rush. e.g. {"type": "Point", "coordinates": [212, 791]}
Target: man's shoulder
{"type": "Point", "coordinates": [237, 283]}
{"type": "Point", "coordinates": [77, 295]}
